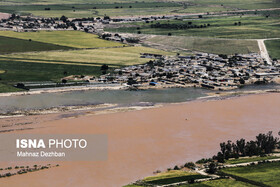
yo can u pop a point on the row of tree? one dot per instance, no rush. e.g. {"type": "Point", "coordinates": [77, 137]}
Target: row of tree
{"type": "Point", "coordinates": [264, 144]}
{"type": "Point", "coordinates": [178, 26]}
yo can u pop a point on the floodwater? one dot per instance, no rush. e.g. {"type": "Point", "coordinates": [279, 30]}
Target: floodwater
{"type": "Point", "coordinates": [91, 97]}
{"type": "Point", "coordinates": [140, 142]}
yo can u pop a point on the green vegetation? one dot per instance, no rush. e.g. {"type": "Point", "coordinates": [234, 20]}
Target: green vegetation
{"type": "Point", "coordinates": [50, 66]}
{"type": "Point", "coordinates": [242, 4]}
{"type": "Point", "coordinates": [73, 39]}
{"type": "Point", "coordinates": [266, 173]}
{"type": "Point", "coordinates": [95, 57]}
{"type": "Point", "coordinates": [93, 10]}
{"type": "Point", "coordinates": [173, 176]}
{"type": "Point", "coordinates": [18, 71]}
{"type": "Point", "coordinates": [273, 47]}
{"type": "Point", "coordinates": [220, 183]}
{"type": "Point", "coordinates": [169, 174]}
{"type": "Point", "coordinates": [14, 45]}
{"type": "Point", "coordinates": [84, 8]}
{"type": "Point", "coordinates": [251, 27]}
{"type": "Point", "coordinates": [8, 88]}
{"type": "Point", "coordinates": [250, 159]}
{"type": "Point", "coordinates": [209, 45]}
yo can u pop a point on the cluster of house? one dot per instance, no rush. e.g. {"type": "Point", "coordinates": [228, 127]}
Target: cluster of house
{"type": "Point", "coordinates": [29, 24]}
{"type": "Point", "coordinates": [94, 25]}
{"type": "Point", "coordinates": [202, 70]}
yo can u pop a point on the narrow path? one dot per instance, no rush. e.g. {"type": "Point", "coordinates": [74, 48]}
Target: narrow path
{"type": "Point", "coordinates": [263, 51]}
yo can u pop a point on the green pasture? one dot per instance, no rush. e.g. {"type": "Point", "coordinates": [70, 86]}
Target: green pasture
{"type": "Point", "coordinates": [208, 45]}
{"type": "Point", "coordinates": [15, 45]}
{"type": "Point", "coordinates": [273, 47]}
{"type": "Point", "coordinates": [252, 27]}
{"type": "Point", "coordinates": [266, 173]}
{"type": "Point", "coordinates": [70, 39]}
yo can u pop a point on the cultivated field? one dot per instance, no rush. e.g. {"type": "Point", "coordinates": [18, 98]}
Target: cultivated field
{"type": "Point", "coordinates": [250, 159]}
{"type": "Point", "coordinates": [15, 45]}
{"type": "Point", "coordinates": [71, 55]}
{"type": "Point", "coordinates": [50, 66]}
{"type": "Point", "coordinates": [72, 39]}
{"type": "Point", "coordinates": [90, 10]}
{"type": "Point", "coordinates": [220, 183]}
{"type": "Point", "coordinates": [85, 8]}
{"type": "Point", "coordinates": [273, 47]}
{"type": "Point", "coordinates": [209, 45]}
{"type": "Point", "coordinates": [268, 173]}
{"type": "Point", "coordinates": [95, 57]}
{"type": "Point", "coordinates": [172, 176]}
{"type": "Point", "coordinates": [8, 88]}
{"type": "Point", "coordinates": [251, 27]}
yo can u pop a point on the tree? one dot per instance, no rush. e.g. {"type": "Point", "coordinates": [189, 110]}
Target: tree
{"type": "Point", "coordinates": [131, 81]}
{"type": "Point", "coordinates": [241, 146]}
{"type": "Point", "coordinates": [63, 18]}
{"type": "Point", "coordinates": [220, 157]}
{"type": "Point", "coordinates": [104, 68]}
{"type": "Point", "coordinates": [13, 16]}
{"type": "Point", "coordinates": [107, 18]}
{"type": "Point", "coordinates": [20, 85]}
{"type": "Point", "coordinates": [189, 165]}
{"type": "Point", "coordinates": [212, 168]}
{"type": "Point", "coordinates": [242, 81]}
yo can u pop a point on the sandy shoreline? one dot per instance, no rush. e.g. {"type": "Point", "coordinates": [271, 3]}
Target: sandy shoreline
{"type": "Point", "coordinates": [62, 89]}
{"type": "Point", "coordinates": [141, 142]}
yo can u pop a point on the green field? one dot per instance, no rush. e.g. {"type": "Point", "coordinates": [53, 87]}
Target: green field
{"type": "Point", "coordinates": [27, 71]}
{"type": "Point", "coordinates": [148, 10]}
{"type": "Point", "coordinates": [14, 45]}
{"type": "Point", "coordinates": [220, 183]}
{"type": "Point", "coordinates": [50, 66]}
{"type": "Point", "coordinates": [267, 173]}
{"type": "Point", "coordinates": [95, 57]}
{"type": "Point", "coordinates": [93, 10]}
{"type": "Point", "coordinates": [252, 27]}
{"type": "Point", "coordinates": [250, 159]}
{"type": "Point", "coordinates": [175, 176]}
{"type": "Point", "coordinates": [208, 45]}
{"type": "Point", "coordinates": [242, 4]}
{"type": "Point", "coordinates": [84, 8]}
{"type": "Point", "coordinates": [273, 47]}
{"type": "Point", "coordinates": [33, 60]}
{"type": "Point", "coordinates": [8, 88]}
{"type": "Point", "coordinates": [73, 39]}
{"type": "Point", "coordinates": [172, 176]}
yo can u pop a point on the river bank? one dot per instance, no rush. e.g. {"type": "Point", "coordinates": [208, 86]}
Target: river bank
{"type": "Point", "coordinates": [144, 141]}
{"type": "Point", "coordinates": [113, 100]}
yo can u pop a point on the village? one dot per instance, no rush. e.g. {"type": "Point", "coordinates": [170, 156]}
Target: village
{"type": "Point", "coordinates": [219, 72]}
{"type": "Point", "coordinates": [212, 71]}
{"type": "Point", "coordinates": [91, 25]}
